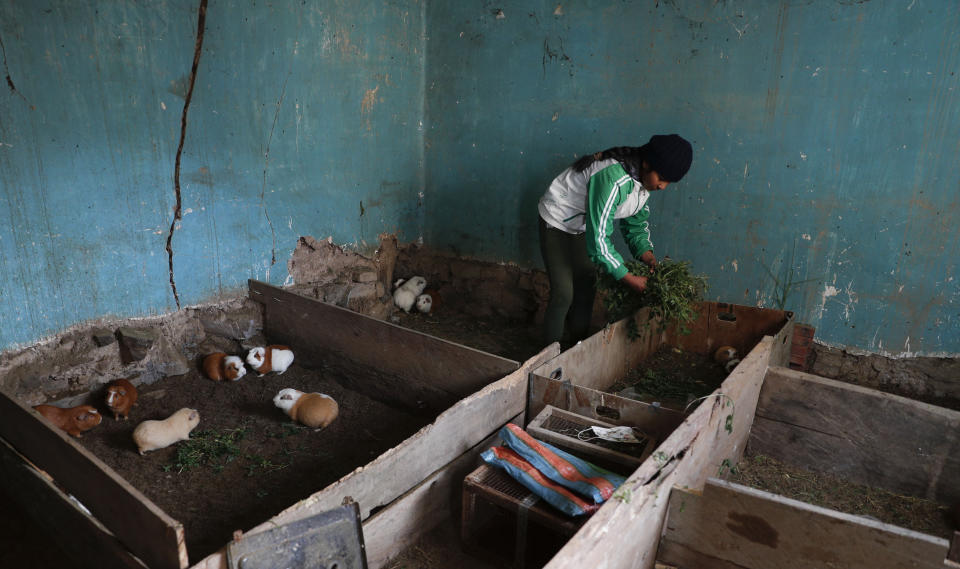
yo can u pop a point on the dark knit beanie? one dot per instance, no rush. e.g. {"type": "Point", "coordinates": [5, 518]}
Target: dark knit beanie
{"type": "Point", "coordinates": [669, 155]}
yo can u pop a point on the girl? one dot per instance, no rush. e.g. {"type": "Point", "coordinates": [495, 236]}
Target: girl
{"type": "Point", "coordinates": [576, 223]}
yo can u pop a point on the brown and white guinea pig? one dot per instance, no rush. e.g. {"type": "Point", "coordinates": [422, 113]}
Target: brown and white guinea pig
{"type": "Point", "coordinates": [315, 410]}
{"type": "Point", "coordinates": [406, 292]}
{"type": "Point", "coordinates": [73, 420]}
{"type": "Point", "coordinates": [121, 396]}
{"type": "Point", "coordinates": [424, 303]}
{"type": "Point", "coordinates": [218, 366]}
{"type": "Point", "coordinates": [727, 357]}
{"type": "Point", "coordinates": [271, 358]}
{"type": "Point", "coordinates": [154, 434]}
{"type": "Point", "coordinates": [436, 299]}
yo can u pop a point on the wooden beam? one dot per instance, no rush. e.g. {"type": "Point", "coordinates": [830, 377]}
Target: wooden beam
{"type": "Point", "coordinates": [414, 368]}
{"type": "Point", "coordinates": [77, 533]}
{"type": "Point", "coordinates": [397, 471]}
{"type": "Point", "coordinates": [861, 434]}
{"type": "Point", "coordinates": [138, 523]}
{"type": "Point", "coordinates": [733, 526]}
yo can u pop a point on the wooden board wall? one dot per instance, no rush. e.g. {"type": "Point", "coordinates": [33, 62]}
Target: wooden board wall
{"type": "Point", "coordinates": [860, 434]}
{"type": "Point", "coordinates": [725, 324]}
{"type": "Point", "coordinates": [735, 527]}
{"type": "Point", "coordinates": [697, 449]}
{"type": "Point", "coordinates": [608, 355]}
{"type": "Point", "coordinates": [425, 370]}
{"type": "Point", "coordinates": [455, 432]}
{"type": "Point", "coordinates": [78, 534]}
{"type": "Point", "coordinates": [145, 529]}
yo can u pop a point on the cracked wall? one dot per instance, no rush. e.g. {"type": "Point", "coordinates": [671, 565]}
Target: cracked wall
{"type": "Point", "coordinates": [822, 133]}
{"type": "Point", "coordinates": [156, 156]}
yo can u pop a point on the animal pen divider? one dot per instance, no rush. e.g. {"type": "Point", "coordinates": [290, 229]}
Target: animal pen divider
{"type": "Point", "coordinates": [414, 486]}
{"type": "Point", "coordinates": [674, 513]}
{"type": "Point", "coordinates": [119, 527]}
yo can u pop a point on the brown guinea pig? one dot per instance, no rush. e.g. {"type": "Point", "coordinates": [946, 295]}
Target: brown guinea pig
{"type": "Point", "coordinates": [121, 396]}
{"type": "Point", "coordinates": [73, 420]}
{"type": "Point", "coordinates": [218, 366]}
{"type": "Point", "coordinates": [727, 357]}
{"type": "Point", "coordinates": [316, 410]}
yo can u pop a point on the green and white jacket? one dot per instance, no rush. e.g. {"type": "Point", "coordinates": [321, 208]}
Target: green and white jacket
{"type": "Point", "coordinates": [589, 201]}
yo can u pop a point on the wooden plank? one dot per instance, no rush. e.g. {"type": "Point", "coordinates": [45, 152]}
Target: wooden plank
{"type": "Point", "coordinates": [697, 449]}
{"type": "Point", "coordinates": [581, 366]}
{"type": "Point", "coordinates": [861, 434]}
{"type": "Point", "coordinates": [403, 467]}
{"type": "Point", "coordinates": [432, 502]}
{"type": "Point", "coordinates": [141, 526]}
{"type": "Point", "coordinates": [77, 533]}
{"type": "Point", "coordinates": [735, 526]}
{"type": "Point", "coordinates": [415, 368]}
{"type": "Point", "coordinates": [725, 324]}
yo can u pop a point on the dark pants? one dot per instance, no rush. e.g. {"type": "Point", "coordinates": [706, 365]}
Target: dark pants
{"type": "Point", "coordinates": [572, 284]}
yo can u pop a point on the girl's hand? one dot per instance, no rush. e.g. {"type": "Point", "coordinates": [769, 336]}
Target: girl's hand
{"type": "Point", "coordinates": [650, 259]}
{"type": "Point", "coordinates": [637, 283]}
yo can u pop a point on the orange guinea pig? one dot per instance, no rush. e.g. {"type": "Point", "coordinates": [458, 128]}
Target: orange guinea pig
{"type": "Point", "coordinates": [218, 366]}
{"type": "Point", "coordinates": [121, 396]}
{"type": "Point", "coordinates": [73, 420]}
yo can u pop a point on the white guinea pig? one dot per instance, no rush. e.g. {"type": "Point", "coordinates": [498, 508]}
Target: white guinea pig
{"type": "Point", "coordinates": [315, 410]}
{"type": "Point", "coordinates": [153, 435]}
{"type": "Point", "coordinates": [407, 292]}
{"type": "Point", "coordinates": [271, 358]}
{"type": "Point", "coordinates": [424, 303]}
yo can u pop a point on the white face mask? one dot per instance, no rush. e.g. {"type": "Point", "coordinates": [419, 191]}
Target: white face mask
{"type": "Point", "coordinates": [616, 434]}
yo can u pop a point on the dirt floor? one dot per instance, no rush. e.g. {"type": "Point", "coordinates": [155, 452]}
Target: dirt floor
{"type": "Point", "coordinates": [499, 336]}
{"type": "Point", "coordinates": [674, 377]}
{"type": "Point", "coordinates": [771, 475]}
{"type": "Point", "coordinates": [246, 460]}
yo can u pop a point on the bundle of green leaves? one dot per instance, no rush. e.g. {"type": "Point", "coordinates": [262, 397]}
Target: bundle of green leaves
{"type": "Point", "coordinates": [672, 294]}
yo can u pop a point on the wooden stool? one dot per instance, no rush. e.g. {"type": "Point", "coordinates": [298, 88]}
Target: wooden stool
{"type": "Point", "coordinates": [496, 487]}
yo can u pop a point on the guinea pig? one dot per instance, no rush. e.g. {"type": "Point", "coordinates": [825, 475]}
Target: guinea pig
{"type": "Point", "coordinates": [406, 293]}
{"type": "Point", "coordinates": [315, 410]}
{"type": "Point", "coordinates": [121, 396]}
{"type": "Point", "coordinates": [153, 435]}
{"type": "Point", "coordinates": [272, 358]}
{"type": "Point", "coordinates": [727, 357]}
{"type": "Point", "coordinates": [218, 366]}
{"type": "Point", "coordinates": [424, 303]}
{"type": "Point", "coordinates": [73, 420]}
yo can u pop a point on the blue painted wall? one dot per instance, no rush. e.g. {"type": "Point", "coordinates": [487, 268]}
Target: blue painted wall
{"type": "Point", "coordinates": [305, 120]}
{"type": "Point", "coordinates": [825, 134]}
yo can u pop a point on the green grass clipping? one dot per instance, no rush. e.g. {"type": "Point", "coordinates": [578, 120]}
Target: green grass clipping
{"type": "Point", "coordinates": [673, 295]}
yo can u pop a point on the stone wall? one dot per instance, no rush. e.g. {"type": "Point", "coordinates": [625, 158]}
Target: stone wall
{"type": "Point", "coordinates": [935, 380]}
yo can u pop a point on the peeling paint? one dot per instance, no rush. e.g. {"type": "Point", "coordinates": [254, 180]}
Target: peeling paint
{"type": "Point", "coordinates": [736, 267]}
{"type": "Point", "coordinates": [369, 100]}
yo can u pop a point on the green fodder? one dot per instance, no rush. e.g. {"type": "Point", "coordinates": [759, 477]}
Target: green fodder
{"type": "Point", "coordinates": [673, 293]}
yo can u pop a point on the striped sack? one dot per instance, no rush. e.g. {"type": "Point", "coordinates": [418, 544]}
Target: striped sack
{"type": "Point", "coordinates": [561, 467]}
{"type": "Point", "coordinates": [524, 472]}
